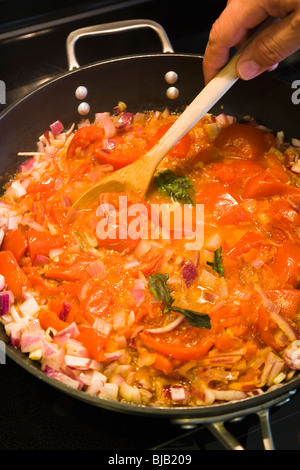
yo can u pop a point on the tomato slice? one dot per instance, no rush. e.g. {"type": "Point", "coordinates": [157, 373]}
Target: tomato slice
{"type": "Point", "coordinates": [93, 341]}
{"type": "Point", "coordinates": [49, 318]}
{"type": "Point", "coordinates": [287, 300]}
{"type": "Point", "coordinates": [180, 150]}
{"type": "Point", "coordinates": [15, 278]}
{"type": "Point", "coordinates": [41, 243]}
{"type": "Point", "coordinates": [123, 228]}
{"type": "Point", "coordinates": [221, 204]}
{"type": "Point", "coordinates": [263, 185]}
{"type": "Point", "coordinates": [242, 141]}
{"type": "Point", "coordinates": [176, 349]}
{"type": "Point", "coordinates": [15, 241]}
{"type": "Point", "coordinates": [286, 264]}
{"type": "Point", "coordinates": [86, 140]}
{"type": "Point", "coordinates": [248, 241]}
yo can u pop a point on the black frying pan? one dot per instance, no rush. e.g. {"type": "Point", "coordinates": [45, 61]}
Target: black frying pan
{"type": "Point", "coordinates": [140, 82]}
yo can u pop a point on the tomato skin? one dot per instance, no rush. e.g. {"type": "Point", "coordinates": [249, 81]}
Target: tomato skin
{"type": "Point", "coordinates": [49, 318]}
{"type": "Point", "coordinates": [15, 278]}
{"type": "Point", "coordinates": [219, 202]}
{"type": "Point", "coordinates": [287, 300]}
{"type": "Point", "coordinates": [234, 171]}
{"type": "Point", "coordinates": [286, 265]}
{"type": "Point", "coordinates": [180, 150]}
{"type": "Point", "coordinates": [15, 241]}
{"type": "Point", "coordinates": [86, 140]}
{"type": "Point", "coordinates": [248, 241]}
{"type": "Point", "coordinates": [40, 243]}
{"type": "Point", "coordinates": [115, 232]}
{"type": "Point", "coordinates": [242, 140]}
{"type": "Point", "coordinates": [93, 341]}
{"type": "Point", "coordinates": [178, 351]}
{"type": "Point", "coordinates": [262, 186]}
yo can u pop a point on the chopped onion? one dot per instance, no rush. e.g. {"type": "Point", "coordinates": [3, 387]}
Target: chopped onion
{"type": "Point", "coordinates": [4, 303]}
{"type": "Point", "coordinates": [169, 327]}
{"type": "Point", "coordinates": [56, 128]}
{"type": "Point", "coordinates": [178, 394]}
{"type": "Point", "coordinates": [103, 326]}
{"type": "Point", "coordinates": [62, 377]}
{"type": "Point", "coordinates": [18, 188]}
{"type": "Point", "coordinates": [29, 307]}
{"type": "Point", "coordinates": [119, 320]}
{"type": "Point", "coordinates": [96, 269]}
{"type": "Point", "coordinates": [130, 393]}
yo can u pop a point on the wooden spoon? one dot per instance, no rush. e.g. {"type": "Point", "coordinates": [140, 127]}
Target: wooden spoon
{"type": "Point", "coordinates": [137, 176]}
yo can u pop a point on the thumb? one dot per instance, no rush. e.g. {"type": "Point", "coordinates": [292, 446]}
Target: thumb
{"type": "Point", "coordinates": [270, 47]}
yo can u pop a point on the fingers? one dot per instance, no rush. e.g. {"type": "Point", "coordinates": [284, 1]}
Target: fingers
{"type": "Point", "coordinates": [269, 48]}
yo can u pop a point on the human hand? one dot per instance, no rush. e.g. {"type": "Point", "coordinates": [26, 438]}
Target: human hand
{"type": "Point", "coordinates": [266, 50]}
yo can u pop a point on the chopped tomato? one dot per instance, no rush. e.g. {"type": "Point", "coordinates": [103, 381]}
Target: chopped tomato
{"type": "Point", "coordinates": [263, 185]}
{"type": "Point", "coordinates": [93, 341]}
{"type": "Point", "coordinates": [243, 141]}
{"type": "Point", "coordinates": [72, 269]}
{"type": "Point", "coordinates": [234, 171]}
{"type": "Point", "coordinates": [248, 241]}
{"type": "Point", "coordinates": [44, 186]}
{"type": "Point", "coordinates": [219, 203]}
{"type": "Point", "coordinates": [287, 300]}
{"type": "Point", "coordinates": [125, 222]}
{"type": "Point", "coordinates": [50, 319]}
{"type": "Point", "coordinates": [163, 363]}
{"type": "Point", "coordinates": [286, 265]}
{"type": "Point", "coordinates": [85, 142]}
{"type": "Point", "coordinates": [180, 150]}
{"type": "Point", "coordinates": [41, 243]}
{"type": "Point", "coordinates": [15, 278]}
{"type": "Point", "coordinates": [15, 241]}
{"type": "Point", "coordinates": [178, 350]}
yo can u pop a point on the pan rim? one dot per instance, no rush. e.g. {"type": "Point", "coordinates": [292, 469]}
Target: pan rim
{"type": "Point", "coordinates": [217, 410]}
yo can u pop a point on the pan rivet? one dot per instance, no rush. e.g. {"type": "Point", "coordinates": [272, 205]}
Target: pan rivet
{"type": "Point", "coordinates": [172, 92]}
{"type": "Point", "coordinates": [81, 92]}
{"type": "Point", "coordinates": [84, 108]}
{"type": "Point", "coordinates": [171, 77]}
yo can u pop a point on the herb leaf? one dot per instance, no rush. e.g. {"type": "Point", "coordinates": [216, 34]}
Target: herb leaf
{"type": "Point", "coordinates": [158, 286]}
{"type": "Point", "coordinates": [217, 264]}
{"type": "Point", "coordinates": [176, 187]}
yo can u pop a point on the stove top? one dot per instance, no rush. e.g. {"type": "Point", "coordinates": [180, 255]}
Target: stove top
{"type": "Point", "coordinates": [35, 416]}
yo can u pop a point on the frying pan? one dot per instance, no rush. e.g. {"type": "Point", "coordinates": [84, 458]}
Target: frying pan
{"type": "Point", "coordinates": [140, 81]}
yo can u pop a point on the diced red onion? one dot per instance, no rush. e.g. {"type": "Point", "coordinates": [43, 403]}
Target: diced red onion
{"type": "Point", "coordinates": [119, 320]}
{"type": "Point", "coordinates": [96, 269]}
{"type": "Point", "coordinates": [81, 363]}
{"type": "Point", "coordinates": [40, 260]}
{"type": "Point", "coordinates": [66, 307]}
{"type": "Point", "coordinates": [138, 296]}
{"type": "Point", "coordinates": [189, 273]}
{"type": "Point", "coordinates": [29, 307]}
{"type": "Point", "coordinates": [178, 394]}
{"type": "Point", "coordinates": [56, 128]}
{"type": "Point", "coordinates": [284, 325]}
{"type": "Point", "coordinates": [71, 330]}
{"type": "Point", "coordinates": [130, 393]}
{"type": "Point", "coordinates": [62, 377]}
{"type": "Point", "coordinates": [2, 281]}
{"type": "Point", "coordinates": [4, 303]}
{"type": "Point", "coordinates": [103, 326]}
{"type": "Point", "coordinates": [109, 128]}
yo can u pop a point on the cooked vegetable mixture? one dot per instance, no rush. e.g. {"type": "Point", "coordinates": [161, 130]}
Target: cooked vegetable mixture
{"type": "Point", "coordinates": [113, 301]}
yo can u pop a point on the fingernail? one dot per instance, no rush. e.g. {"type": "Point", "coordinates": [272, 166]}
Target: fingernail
{"type": "Point", "coordinates": [248, 69]}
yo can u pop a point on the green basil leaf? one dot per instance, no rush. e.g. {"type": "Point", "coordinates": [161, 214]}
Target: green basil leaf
{"type": "Point", "coordinates": [217, 264]}
{"type": "Point", "coordinates": [176, 187]}
{"type": "Point", "coordinates": [158, 286]}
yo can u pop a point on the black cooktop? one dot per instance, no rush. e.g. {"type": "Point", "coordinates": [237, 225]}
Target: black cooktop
{"type": "Point", "coordinates": [35, 416]}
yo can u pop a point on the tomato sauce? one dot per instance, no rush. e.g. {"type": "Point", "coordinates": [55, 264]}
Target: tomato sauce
{"type": "Point", "coordinates": [164, 317]}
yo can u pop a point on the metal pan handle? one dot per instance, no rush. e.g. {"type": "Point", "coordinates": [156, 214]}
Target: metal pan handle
{"type": "Point", "coordinates": [109, 28]}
